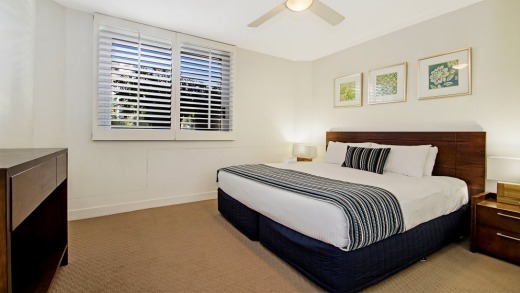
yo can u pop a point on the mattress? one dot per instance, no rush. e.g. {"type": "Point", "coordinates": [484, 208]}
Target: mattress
{"type": "Point", "coordinates": [421, 199]}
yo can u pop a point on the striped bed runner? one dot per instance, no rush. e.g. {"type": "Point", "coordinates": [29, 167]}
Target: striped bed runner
{"type": "Point", "coordinates": [372, 213]}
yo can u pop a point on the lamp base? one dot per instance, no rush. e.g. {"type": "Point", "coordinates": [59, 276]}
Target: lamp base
{"type": "Point", "coordinates": [508, 193]}
{"type": "Point", "coordinates": [300, 159]}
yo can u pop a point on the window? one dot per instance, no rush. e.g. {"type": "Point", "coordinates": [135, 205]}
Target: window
{"type": "Point", "coordinates": [135, 80]}
{"type": "Point", "coordinates": [205, 89]}
{"type": "Point", "coordinates": [154, 84]}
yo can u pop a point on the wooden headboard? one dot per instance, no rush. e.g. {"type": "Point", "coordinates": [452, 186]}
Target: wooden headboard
{"type": "Point", "coordinates": [461, 154]}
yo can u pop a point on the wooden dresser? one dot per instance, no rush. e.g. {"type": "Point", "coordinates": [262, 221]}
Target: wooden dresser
{"type": "Point", "coordinates": [495, 227]}
{"type": "Point", "coordinates": [33, 218]}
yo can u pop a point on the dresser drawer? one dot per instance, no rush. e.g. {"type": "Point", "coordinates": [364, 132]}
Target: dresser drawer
{"type": "Point", "coordinates": [499, 243]}
{"type": "Point", "coordinates": [30, 188]}
{"type": "Point", "coordinates": [506, 220]}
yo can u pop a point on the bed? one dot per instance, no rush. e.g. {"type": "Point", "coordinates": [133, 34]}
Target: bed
{"type": "Point", "coordinates": [460, 155]}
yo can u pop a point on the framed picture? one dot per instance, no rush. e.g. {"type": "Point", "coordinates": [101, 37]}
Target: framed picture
{"type": "Point", "coordinates": [387, 85]}
{"type": "Point", "coordinates": [348, 91]}
{"type": "Point", "coordinates": [445, 75]}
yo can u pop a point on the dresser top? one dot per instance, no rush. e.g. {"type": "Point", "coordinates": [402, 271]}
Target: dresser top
{"type": "Point", "coordinates": [15, 157]}
{"type": "Point", "coordinates": [492, 203]}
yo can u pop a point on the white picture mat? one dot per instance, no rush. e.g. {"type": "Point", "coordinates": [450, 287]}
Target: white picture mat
{"type": "Point", "coordinates": [358, 79]}
{"type": "Point", "coordinates": [400, 96]}
{"type": "Point", "coordinates": [464, 87]}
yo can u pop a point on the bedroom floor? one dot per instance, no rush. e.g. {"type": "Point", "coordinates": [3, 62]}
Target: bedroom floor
{"type": "Point", "coordinates": [192, 248]}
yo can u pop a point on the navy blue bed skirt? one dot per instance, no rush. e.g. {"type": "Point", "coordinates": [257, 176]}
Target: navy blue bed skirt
{"type": "Point", "coordinates": [242, 217]}
{"type": "Point", "coordinates": [344, 271]}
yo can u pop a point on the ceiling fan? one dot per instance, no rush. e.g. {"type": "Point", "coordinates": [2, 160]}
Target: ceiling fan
{"type": "Point", "coordinates": [323, 11]}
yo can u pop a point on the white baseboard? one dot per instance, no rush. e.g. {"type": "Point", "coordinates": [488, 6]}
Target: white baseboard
{"type": "Point", "coordinates": [138, 205]}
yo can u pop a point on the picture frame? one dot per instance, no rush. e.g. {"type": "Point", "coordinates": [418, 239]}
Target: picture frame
{"type": "Point", "coordinates": [445, 75]}
{"type": "Point", "coordinates": [348, 91]}
{"type": "Point", "coordinates": [387, 84]}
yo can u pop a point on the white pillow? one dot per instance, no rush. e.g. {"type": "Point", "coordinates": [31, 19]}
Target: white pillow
{"type": "Point", "coordinates": [336, 151]}
{"type": "Point", "coordinates": [406, 160]}
{"type": "Point", "coordinates": [430, 161]}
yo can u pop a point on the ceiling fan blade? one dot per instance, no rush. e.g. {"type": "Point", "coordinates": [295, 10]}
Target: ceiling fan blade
{"type": "Point", "coordinates": [268, 15]}
{"type": "Point", "coordinates": [326, 13]}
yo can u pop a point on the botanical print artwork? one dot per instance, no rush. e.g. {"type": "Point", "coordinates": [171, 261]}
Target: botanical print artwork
{"type": "Point", "coordinates": [347, 91]}
{"type": "Point", "coordinates": [386, 84]}
{"type": "Point", "coordinates": [443, 75]}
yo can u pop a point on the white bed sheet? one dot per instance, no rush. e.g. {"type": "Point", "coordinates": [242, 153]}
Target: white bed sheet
{"type": "Point", "coordinates": [421, 199]}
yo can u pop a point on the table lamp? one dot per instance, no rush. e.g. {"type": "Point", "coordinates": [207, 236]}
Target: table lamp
{"type": "Point", "coordinates": [507, 172]}
{"type": "Point", "coordinates": [304, 152]}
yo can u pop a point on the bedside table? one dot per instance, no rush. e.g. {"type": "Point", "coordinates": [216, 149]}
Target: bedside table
{"type": "Point", "coordinates": [495, 227]}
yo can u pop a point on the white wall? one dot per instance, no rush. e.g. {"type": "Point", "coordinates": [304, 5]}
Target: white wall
{"type": "Point", "coordinates": [277, 101]}
{"type": "Point", "coordinates": [17, 32]}
{"type": "Point", "coordinates": [32, 99]}
{"type": "Point", "coordinates": [46, 100]}
{"type": "Point", "coordinates": [112, 176]}
{"type": "Point", "coordinates": [489, 27]}
{"type": "Point", "coordinates": [49, 75]}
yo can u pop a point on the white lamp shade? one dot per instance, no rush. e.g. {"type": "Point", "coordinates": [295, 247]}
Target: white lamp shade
{"type": "Point", "coordinates": [298, 5]}
{"type": "Point", "coordinates": [304, 151]}
{"type": "Point", "coordinates": [503, 169]}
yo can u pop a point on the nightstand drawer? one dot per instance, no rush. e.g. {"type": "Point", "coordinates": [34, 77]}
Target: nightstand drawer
{"type": "Point", "coordinates": [500, 243]}
{"type": "Point", "coordinates": [502, 219]}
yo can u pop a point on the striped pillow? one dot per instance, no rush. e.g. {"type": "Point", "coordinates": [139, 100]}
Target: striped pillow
{"type": "Point", "coordinates": [366, 159]}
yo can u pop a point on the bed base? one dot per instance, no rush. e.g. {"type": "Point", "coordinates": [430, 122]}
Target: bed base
{"type": "Point", "coordinates": [344, 271]}
{"type": "Point", "coordinates": [239, 215]}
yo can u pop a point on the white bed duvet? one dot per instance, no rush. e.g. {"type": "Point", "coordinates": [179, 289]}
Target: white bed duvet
{"type": "Point", "coordinates": [421, 199]}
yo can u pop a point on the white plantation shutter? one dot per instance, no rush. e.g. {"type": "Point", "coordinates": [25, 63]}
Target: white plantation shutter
{"type": "Point", "coordinates": [156, 84]}
{"type": "Point", "coordinates": [205, 89]}
{"type": "Point", "coordinates": [135, 80]}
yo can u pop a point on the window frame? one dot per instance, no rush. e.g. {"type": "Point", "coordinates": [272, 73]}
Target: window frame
{"type": "Point", "coordinates": [175, 132]}
{"type": "Point", "coordinates": [183, 134]}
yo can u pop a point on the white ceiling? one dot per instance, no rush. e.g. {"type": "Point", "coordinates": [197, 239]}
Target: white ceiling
{"type": "Point", "coordinates": [290, 35]}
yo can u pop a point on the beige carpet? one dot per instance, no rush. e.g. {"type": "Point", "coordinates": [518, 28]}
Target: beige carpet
{"type": "Point", "coordinates": [192, 248]}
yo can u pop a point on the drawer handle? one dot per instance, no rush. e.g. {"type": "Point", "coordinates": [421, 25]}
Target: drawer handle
{"type": "Point", "coordinates": [508, 216]}
{"type": "Point", "coordinates": [508, 237]}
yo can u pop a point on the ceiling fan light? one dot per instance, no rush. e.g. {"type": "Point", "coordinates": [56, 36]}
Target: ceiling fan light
{"type": "Point", "coordinates": [298, 5]}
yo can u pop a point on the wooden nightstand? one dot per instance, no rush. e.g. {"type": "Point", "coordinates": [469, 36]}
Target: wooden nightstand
{"type": "Point", "coordinates": [495, 227]}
